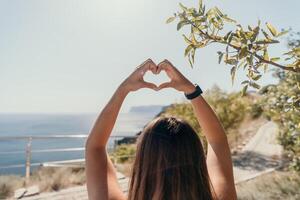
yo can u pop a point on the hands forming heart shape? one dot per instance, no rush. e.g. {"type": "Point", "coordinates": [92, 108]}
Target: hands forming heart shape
{"type": "Point", "coordinates": [178, 81]}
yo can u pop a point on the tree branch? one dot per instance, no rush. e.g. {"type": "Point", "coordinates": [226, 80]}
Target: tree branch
{"type": "Point", "coordinates": [219, 40]}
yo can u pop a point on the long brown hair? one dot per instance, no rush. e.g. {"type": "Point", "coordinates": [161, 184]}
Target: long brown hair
{"type": "Point", "coordinates": [170, 163]}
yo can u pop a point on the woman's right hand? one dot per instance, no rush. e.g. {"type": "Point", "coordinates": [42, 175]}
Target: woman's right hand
{"type": "Point", "coordinates": [177, 80]}
{"type": "Point", "coordinates": [135, 80]}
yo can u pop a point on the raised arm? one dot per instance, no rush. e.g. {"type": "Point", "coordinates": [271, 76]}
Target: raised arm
{"type": "Point", "coordinates": [219, 161]}
{"type": "Point", "coordinates": [101, 176]}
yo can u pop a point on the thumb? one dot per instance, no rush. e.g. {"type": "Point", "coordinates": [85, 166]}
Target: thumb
{"type": "Point", "coordinates": [150, 85]}
{"type": "Point", "coordinates": [165, 85]}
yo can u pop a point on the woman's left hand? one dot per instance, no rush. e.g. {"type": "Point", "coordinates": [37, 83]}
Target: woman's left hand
{"type": "Point", "coordinates": [136, 81]}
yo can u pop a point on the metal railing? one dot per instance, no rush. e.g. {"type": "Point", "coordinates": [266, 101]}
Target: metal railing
{"type": "Point", "coordinates": [29, 151]}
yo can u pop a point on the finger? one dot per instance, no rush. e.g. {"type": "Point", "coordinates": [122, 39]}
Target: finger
{"type": "Point", "coordinates": [165, 85]}
{"type": "Point", "coordinates": [165, 65]}
{"type": "Point", "coordinates": [168, 62]}
{"type": "Point", "coordinates": [165, 61]}
{"type": "Point", "coordinates": [149, 85]}
{"type": "Point", "coordinates": [142, 72]}
{"type": "Point", "coordinates": [141, 65]}
{"type": "Point", "coordinates": [153, 67]}
{"type": "Point", "coordinates": [147, 65]}
{"type": "Point", "coordinates": [167, 68]}
{"type": "Point", "coordinates": [144, 67]}
{"type": "Point", "coordinates": [161, 66]}
{"type": "Point", "coordinates": [158, 70]}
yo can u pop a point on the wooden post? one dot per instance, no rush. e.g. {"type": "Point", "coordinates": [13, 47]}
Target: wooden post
{"type": "Point", "coordinates": [28, 158]}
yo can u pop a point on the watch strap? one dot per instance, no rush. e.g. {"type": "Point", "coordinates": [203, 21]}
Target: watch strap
{"type": "Point", "coordinates": [194, 94]}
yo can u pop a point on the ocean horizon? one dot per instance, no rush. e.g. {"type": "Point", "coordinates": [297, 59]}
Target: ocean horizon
{"type": "Point", "coordinates": [128, 124]}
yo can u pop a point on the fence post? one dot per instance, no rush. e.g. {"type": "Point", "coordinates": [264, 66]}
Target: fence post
{"type": "Point", "coordinates": [28, 158]}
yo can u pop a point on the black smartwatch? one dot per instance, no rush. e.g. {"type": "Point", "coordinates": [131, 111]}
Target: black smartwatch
{"type": "Point", "coordinates": [194, 94]}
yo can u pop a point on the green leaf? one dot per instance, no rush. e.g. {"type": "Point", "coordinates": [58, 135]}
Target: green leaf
{"type": "Point", "coordinates": [254, 85]}
{"type": "Point", "coordinates": [184, 8]}
{"type": "Point", "coordinates": [227, 19]}
{"type": "Point", "coordinates": [193, 51]}
{"type": "Point", "coordinates": [220, 56]}
{"type": "Point", "coordinates": [193, 38]}
{"type": "Point", "coordinates": [201, 44]}
{"type": "Point", "coordinates": [250, 60]}
{"type": "Point", "coordinates": [244, 90]}
{"type": "Point", "coordinates": [266, 55]}
{"type": "Point", "coordinates": [243, 52]}
{"type": "Point", "coordinates": [192, 57]}
{"type": "Point", "coordinates": [275, 59]}
{"type": "Point", "coordinates": [265, 67]}
{"type": "Point", "coordinates": [255, 34]}
{"type": "Point", "coordinates": [227, 35]}
{"type": "Point", "coordinates": [273, 41]}
{"type": "Point", "coordinates": [230, 38]}
{"type": "Point", "coordinates": [245, 82]}
{"type": "Point", "coordinates": [170, 19]}
{"type": "Point", "coordinates": [191, 64]}
{"type": "Point", "coordinates": [256, 77]}
{"type": "Point", "coordinates": [271, 29]}
{"type": "Point", "coordinates": [186, 39]}
{"type": "Point", "coordinates": [267, 41]}
{"type": "Point", "coordinates": [266, 34]}
{"type": "Point", "coordinates": [218, 11]}
{"type": "Point", "coordinates": [181, 24]}
{"type": "Point", "coordinates": [232, 72]}
{"type": "Point", "coordinates": [282, 33]}
{"type": "Point", "coordinates": [200, 5]}
{"type": "Point", "coordinates": [242, 62]}
{"type": "Point", "coordinates": [231, 61]}
{"type": "Point", "coordinates": [188, 49]}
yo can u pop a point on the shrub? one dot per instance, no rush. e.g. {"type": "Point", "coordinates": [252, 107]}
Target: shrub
{"type": "Point", "coordinates": [281, 103]}
{"type": "Point", "coordinates": [57, 178]}
{"type": "Point", "coordinates": [8, 184]}
{"type": "Point", "coordinates": [275, 185]}
{"type": "Point", "coordinates": [256, 110]}
{"type": "Point", "coordinates": [124, 153]}
{"type": "Point", "coordinates": [231, 109]}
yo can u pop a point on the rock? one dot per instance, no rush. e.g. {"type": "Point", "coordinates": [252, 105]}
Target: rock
{"type": "Point", "coordinates": [33, 190]}
{"type": "Point", "coordinates": [19, 193]}
{"type": "Point", "coordinates": [120, 176]}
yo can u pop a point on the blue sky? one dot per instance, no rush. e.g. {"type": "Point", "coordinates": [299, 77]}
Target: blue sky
{"type": "Point", "coordinates": [70, 55]}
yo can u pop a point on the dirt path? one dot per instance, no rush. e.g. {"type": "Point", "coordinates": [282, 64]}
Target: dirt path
{"type": "Point", "coordinates": [260, 155]}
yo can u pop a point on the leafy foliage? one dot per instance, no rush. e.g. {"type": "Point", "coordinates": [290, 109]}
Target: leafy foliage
{"type": "Point", "coordinates": [281, 103]}
{"type": "Point", "coordinates": [231, 109]}
{"type": "Point", "coordinates": [246, 48]}
{"type": "Point", "coordinates": [124, 153]}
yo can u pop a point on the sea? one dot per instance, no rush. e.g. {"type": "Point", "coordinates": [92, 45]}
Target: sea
{"type": "Point", "coordinates": [12, 152]}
